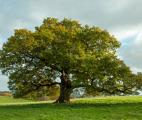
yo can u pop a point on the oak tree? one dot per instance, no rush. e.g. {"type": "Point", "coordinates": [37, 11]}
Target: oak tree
{"type": "Point", "coordinates": [66, 54]}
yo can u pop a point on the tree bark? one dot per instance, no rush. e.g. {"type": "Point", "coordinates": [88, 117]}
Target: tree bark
{"type": "Point", "coordinates": [65, 89]}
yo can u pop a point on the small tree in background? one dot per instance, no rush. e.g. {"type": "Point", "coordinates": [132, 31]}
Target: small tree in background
{"type": "Point", "coordinates": [65, 54]}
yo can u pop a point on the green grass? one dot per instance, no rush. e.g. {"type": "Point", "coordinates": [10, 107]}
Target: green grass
{"type": "Point", "coordinates": [100, 108]}
{"type": "Point", "coordinates": [10, 100]}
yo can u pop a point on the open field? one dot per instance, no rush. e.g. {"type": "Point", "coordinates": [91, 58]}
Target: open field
{"type": "Point", "coordinates": [100, 108]}
{"type": "Point", "coordinates": [10, 100]}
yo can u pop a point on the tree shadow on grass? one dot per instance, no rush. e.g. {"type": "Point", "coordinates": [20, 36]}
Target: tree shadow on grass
{"type": "Point", "coordinates": [71, 105]}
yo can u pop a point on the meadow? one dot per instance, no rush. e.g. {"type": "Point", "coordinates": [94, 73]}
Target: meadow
{"type": "Point", "coordinates": [99, 108]}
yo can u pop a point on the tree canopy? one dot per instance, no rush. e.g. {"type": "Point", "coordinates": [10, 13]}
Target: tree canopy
{"type": "Point", "coordinates": [67, 54]}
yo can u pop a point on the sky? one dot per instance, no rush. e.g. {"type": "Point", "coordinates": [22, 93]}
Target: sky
{"type": "Point", "coordinates": [122, 18]}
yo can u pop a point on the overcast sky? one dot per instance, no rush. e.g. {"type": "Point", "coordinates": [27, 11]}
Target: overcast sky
{"type": "Point", "coordinates": [122, 18]}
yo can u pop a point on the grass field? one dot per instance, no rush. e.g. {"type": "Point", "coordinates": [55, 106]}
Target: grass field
{"type": "Point", "coordinates": [100, 108]}
{"type": "Point", "coordinates": [10, 100]}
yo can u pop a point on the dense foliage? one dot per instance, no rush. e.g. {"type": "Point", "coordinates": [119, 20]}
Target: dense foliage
{"type": "Point", "coordinates": [65, 54]}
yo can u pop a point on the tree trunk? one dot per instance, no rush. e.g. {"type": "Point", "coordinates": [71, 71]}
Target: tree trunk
{"type": "Point", "coordinates": [65, 89]}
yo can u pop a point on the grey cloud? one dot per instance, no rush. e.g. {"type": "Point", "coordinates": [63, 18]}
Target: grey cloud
{"type": "Point", "coordinates": [107, 14]}
{"type": "Point", "coordinates": [132, 55]}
